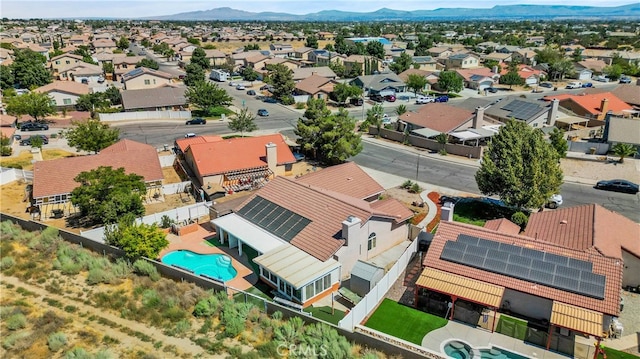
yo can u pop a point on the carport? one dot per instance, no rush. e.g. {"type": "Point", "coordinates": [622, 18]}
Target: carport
{"type": "Point", "coordinates": [473, 134]}
{"type": "Point", "coordinates": [577, 319]}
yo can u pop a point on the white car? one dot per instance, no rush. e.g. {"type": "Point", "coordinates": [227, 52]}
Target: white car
{"type": "Point", "coordinates": [240, 87]}
{"type": "Point", "coordinates": [554, 201]}
{"type": "Point", "coordinates": [425, 99]}
{"type": "Point", "coordinates": [601, 78]}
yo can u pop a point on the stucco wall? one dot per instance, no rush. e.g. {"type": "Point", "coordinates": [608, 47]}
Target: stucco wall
{"type": "Point", "coordinates": [631, 272]}
{"type": "Point", "coordinates": [137, 83]}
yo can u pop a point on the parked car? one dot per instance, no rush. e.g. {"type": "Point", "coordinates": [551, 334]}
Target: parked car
{"type": "Point", "coordinates": [268, 99]}
{"type": "Point", "coordinates": [33, 126]}
{"type": "Point", "coordinates": [196, 121]}
{"type": "Point", "coordinates": [574, 85]}
{"type": "Point", "coordinates": [425, 99]}
{"type": "Point", "coordinates": [554, 201]}
{"type": "Point", "coordinates": [27, 141]}
{"type": "Point", "coordinates": [100, 79]}
{"type": "Point", "coordinates": [386, 120]}
{"type": "Point", "coordinates": [625, 80]}
{"type": "Point", "coordinates": [390, 98]}
{"type": "Point", "coordinates": [443, 98]}
{"type": "Point", "coordinates": [231, 83]}
{"type": "Point", "coordinates": [265, 87]}
{"type": "Point", "coordinates": [240, 87]}
{"type": "Point", "coordinates": [356, 101]}
{"type": "Point", "coordinates": [251, 93]}
{"type": "Point", "coordinates": [492, 89]}
{"type": "Point", "coordinates": [263, 112]}
{"type": "Point", "coordinates": [546, 85]}
{"type": "Point", "coordinates": [376, 98]}
{"type": "Point", "coordinates": [189, 135]}
{"type": "Point", "coordinates": [618, 185]}
{"type": "Point", "coordinates": [587, 85]}
{"type": "Point", "coordinates": [601, 78]}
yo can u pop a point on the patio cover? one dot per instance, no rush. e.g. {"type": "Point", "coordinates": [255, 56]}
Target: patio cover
{"type": "Point", "coordinates": [248, 233]}
{"type": "Point", "coordinates": [472, 134]}
{"type": "Point", "coordinates": [295, 266]}
{"type": "Point", "coordinates": [576, 318]}
{"type": "Point", "coordinates": [426, 132]}
{"type": "Point", "coordinates": [462, 287]}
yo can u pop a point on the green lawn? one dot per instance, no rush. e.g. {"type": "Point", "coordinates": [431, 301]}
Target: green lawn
{"type": "Point", "coordinates": [403, 322]}
{"type": "Point", "coordinates": [324, 313]}
{"type": "Point", "coordinates": [616, 354]}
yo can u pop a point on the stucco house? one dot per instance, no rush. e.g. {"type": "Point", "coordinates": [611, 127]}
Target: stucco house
{"type": "Point", "coordinates": [387, 83]}
{"type": "Point", "coordinates": [592, 105]}
{"type": "Point", "coordinates": [144, 78]}
{"type": "Point", "coordinates": [154, 99]}
{"type": "Point", "coordinates": [64, 61]}
{"type": "Point", "coordinates": [64, 94]}
{"type": "Point", "coordinates": [462, 61]}
{"type": "Point", "coordinates": [304, 253]}
{"type": "Point", "coordinates": [315, 86]}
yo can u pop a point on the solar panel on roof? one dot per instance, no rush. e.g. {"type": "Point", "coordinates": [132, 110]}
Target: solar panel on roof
{"type": "Point", "coordinates": [488, 244]}
{"type": "Point", "coordinates": [541, 277]}
{"type": "Point", "coordinates": [590, 277]}
{"type": "Point", "coordinates": [273, 218]}
{"type": "Point", "coordinates": [554, 258]}
{"type": "Point", "coordinates": [522, 110]}
{"type": "Point", "coordinates": [478, 251]}
{"type": "Point", "coordinates": [518, 271]}
{"type": "Point", "coordinates": [568, 272]}
{"type": "Point", "coordinates": [457, 245]}
{"type": "Point", "coordinates": [473, 260]}
{"type": "Point", "coordinates": [510, 248]}
{"type": "Point", "coordinates": [592, 289]}
{"type": "Point", "coordinates": [543, 266]}
{"type": "Point", "coordinates": [566, 283]}
{"type": "Point", "coordinates": [532, 253]}
{"type": "Point", "coordinates": [519, 260]}
{"type": "Point", "coordinates": [580, 264]}
{"type": "Point", "coordinates": [494, 265]}
{"type": "Point", "coordinates": [467, 239]}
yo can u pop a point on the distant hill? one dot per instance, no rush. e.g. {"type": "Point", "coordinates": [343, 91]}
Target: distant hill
{"type": "Point", "coordinates": [546, 12]}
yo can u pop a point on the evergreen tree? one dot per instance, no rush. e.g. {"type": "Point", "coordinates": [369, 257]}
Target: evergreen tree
{"type": "Point", "coordinates": [559, 142]}
{"type": "Point", "coordinates": [29, 69]}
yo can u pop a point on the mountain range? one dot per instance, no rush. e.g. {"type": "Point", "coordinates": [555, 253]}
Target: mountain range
{"type": "Point", "coordinates": [539, 12]}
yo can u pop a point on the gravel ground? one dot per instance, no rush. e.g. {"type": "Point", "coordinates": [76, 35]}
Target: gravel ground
{"type": "Point", "coordinates": [630, 315]}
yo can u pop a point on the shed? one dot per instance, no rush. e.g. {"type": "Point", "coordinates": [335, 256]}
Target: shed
{"type": "Point", "coordinates": [364, 276]}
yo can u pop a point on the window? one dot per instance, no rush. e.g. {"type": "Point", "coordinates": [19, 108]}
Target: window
{"type": "Point", "coordinates": [147, 82]}
{"type": "Point", "coordinates": [327, 281]}
{"type": "Point", "coordinates": [281, 286]}
{"type": "Point", "coordinates": [297, 293]}
{"type": "Point", "coordinates": [66, 101]}
{"type": "Point", "coordinates": [371, 243]}
{"type": "Point", "coordinates": [67, 62]}
{"type": "Point", "coordinates": [308, 291]}
{"type": "Point", "coordinates": [57, 62]}
{"type": "Point", "coordinates": [319, 286]}
{"type": "Point", "coordinates": [154, 81]}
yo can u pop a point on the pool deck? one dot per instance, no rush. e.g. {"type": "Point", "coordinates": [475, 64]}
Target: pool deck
{"type": "Point", "coordinates": [196, 242]}
{"type": "Point", "coordinates": [480, 338]}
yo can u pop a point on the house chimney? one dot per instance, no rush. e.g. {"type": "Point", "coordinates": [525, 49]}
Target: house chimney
{"type": "Point", "coordinates": [494, 69]}
{"type": "Point", "coordinates": [604, 107]}
{"type": "Point", "coordinates": [478, 118]}
{"type": "Point", "coordinates": [553, 112]}
{"type": "Point", "coordinates": [272, 156]}
{"type": "Point", "coordinates": [350, 227]}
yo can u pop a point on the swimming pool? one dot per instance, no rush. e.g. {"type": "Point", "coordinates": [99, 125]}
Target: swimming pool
{"type": "Point", "coordinates": [215, 266]}
{"type": "Point", "coordinates": [459, 350]}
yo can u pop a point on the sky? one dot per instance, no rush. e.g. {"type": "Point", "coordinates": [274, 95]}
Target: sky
{"type": "Point", "coordinates": [47, 9]}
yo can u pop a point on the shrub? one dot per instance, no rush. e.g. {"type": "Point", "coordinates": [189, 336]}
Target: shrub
{"type": "Point", "coordinates": [56, 341]}
{"type": "Point", "coordinates": [207, 307]}
{"type": "Point", "coordinates": [211, 347]}
{"type": "Point", "coordinates": [406, 184]}
{"type": "Point", "coordinates": [7, 262]}
{"type": "Point", "coordinates": [16, 321]}
{"type": "Point", "coordinates": [277, 315]}
{"type": "Point", "coordinates": [180, 329]}
{"type": "Point", "coordinates": [78, 353]}
{"type": "Point", "coordinates": [300, 105]}
{"type": "Point", "coordinates": [103, 354]}
{"type": "Point", "coordinates": [166, 221]}
{"type": "Point", "coordinates": [442, 152]}
{"type": "Point", "coordinates": [143, 267]}
{"type": "Point", "coordinates": [15, 340]}
{"type": "Point", "coordinates": [415, 188]}
{"type": "Point", "coordinates": [98, 275]}
{"type": "Point", "coordinates": [121, 268]}
{"type": "Point", "coordinates": [520, 219]}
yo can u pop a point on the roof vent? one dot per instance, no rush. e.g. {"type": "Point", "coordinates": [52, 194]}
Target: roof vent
{"type": "Point", "coordinates": [564, 221]}
{"type": "Point", "coordinates": [349, 178]}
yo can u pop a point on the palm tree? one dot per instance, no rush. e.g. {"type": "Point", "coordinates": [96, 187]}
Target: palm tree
{"type": "Point", "coordinates": [401, 110]}
{"type": "Point", "coordinates": [623, 150]}
{"type": "Point", "coordinates": [374, 117]}
{"type": "Point", "coordinates": [442, 139]}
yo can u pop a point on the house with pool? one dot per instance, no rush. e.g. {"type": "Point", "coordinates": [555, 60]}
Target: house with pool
{"type": "Point", "coordinates": [524, 287]}
{"type": "Point", "coordinates": [310, 232]}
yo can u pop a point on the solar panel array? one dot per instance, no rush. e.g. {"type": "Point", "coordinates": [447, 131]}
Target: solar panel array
{"type": "Point", "coordinates": [522, 110]}
{"type": "Point", "coordinates": [274, 218]}
{"type": "Point", "coordinates": [135, 72]}
{"type": "Point", "coordinates": [548, 269]}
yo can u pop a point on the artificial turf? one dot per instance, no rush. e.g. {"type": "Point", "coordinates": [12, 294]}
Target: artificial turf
{"type": "Point", "coordinates": [324, 313]}
{"type": "Point", "coordinates": [403, 322]}
{"type": "Point", "coordinates": [616, 354]}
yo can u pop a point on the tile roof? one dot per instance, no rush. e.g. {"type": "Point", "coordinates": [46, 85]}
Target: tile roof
{"type": "Point", "coordinates": [591, 102]}
{"type": "Point", "coordinates": [314, 84]}
{"type": "Point", "coordinates": [625, 130]}
{"type": "Point", "coordinates": [482, 71]}
{"type": "Point", "coordinates": [502, 225]}
{"type": "Point", "coordinates": [347, 178]}
{"type": "Point", "coordinates": [184, 143]}
{"type": "Point", "coordinates": [55, 177]}
{"type": "Point", "coordinates": [237, 154]}
{"type": "Point", "coordinates": [144, 70]}
{"type": "Point", "coordinates": [439, 117]}
{"type": "Point", "coordinates": [609, 267]}
{"type": "Point", "coordinates": [325, 209]}
{"type": "Point", "coordinates": [7, 120]}
{"type": "Point", "coordinates": [304, 72]}
{"type": "Point", "coordinates": [629, 93]}
{"type": "Point", "coordinates": [71, 87]}
{"type": "Point", "coordinates": [590, 227]}
{"type": "Point", "coordinates": [593, 64]}
{"type": "Point", "coordinates": [153, 97]}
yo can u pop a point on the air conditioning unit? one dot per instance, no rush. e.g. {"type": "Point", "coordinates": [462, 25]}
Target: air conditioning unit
{"type": "Point", "coordinates": [564, 332]}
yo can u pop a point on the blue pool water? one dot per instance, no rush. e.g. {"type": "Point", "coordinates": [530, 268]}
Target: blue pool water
{"type": "Point", "coordinates": [216, 266]}
{"type": "Point", "coordinates": [458, 350]}
{"type": "Point", "coordinates": [497, 353]}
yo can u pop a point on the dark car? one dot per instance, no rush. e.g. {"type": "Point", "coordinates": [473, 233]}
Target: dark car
{"type": "Point", "coordinates": [251, 93]}
{"type": "Point", "coordinates": [546, 85]}
{"type": "Point", "coordinates": [376, 98]}
{"type": "Point", "coordinates": [27, 141]}
{"type": "Point", "coordinates": [356, 101]}
{"type": "Point", "coordinates": [33, 126]}
{"type": "Point", "coordinates": [618, 185]}
{"type": "Point", "coordinates": [390, 98]}
{"type": "Point", "coordinates": [444, 98]}
{"type": "Point", "coordinates": [492, 89]}
{"type": "Point", "coordinates": [587, 85]}
{"type": "Point", "coordinates": [269, 100]}
{"type": "Point", "coordinates": [625, 80]}
{"type": "Point", "coordinates": [196, 121]}
{"type": "Point", "coordinates": [263, 112]}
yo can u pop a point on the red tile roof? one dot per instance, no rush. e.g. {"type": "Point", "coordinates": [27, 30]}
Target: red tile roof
{"type": "Point", "coordinates": [525, 71]}
{"type": "Point", "coordinates": [591, 102]}
{"type": "Point", "coordinates": [347, 178]}
{"type": "Point", "coordinates": [184, 143]}
{"type": "Point", "coordinates": [589, 227]}
{"type": "Point", "coordinates": [237, 154]}
{"type": "Point", "coordinates": [502, 225]}
{"type": "Point", "coordinates": [609, 267]}
{"type": "Point", "coordinates": [482, 71]}
{"type": "Point", "coordinates": [440, 117]}
{"type": "Point", "coordinates": [55, 177]}
{"type": "Point", "coordinates": [326, 210]}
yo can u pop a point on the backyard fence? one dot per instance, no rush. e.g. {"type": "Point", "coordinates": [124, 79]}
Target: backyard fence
{"type": "Point", "coordinates": [173, 188]}
{"type": "Point", "coordinates": [8, 175]}
{"type": "Point", "coordinates": [167, 160]}
{"type": "Point", "coordinates": [373, 298]}
{"type": "Point", "coordinates": [145, 115]}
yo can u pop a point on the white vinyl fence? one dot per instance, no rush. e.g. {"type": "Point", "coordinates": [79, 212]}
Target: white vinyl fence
{"type": "Point", "coordinates": [182, 215]}
{"type": "Point", "coordinates": [371, 300]}
{"type": "Point", "coordinates": [167, 160]}
{"type": "Point", "coordinates": [173, 188]}
{"type": "Point", "coordinates": [145, 115]}
{"type": "Point", "coordinates": [8, 175]}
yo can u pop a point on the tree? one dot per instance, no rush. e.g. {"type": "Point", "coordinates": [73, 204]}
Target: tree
{"type": "Point", "coordinates": [195, 74]}
{"type": "Point", "coordinates": [35, 104]}
{"type": "Point", "coordinates": [207, 95]}
{"type": "Point", "coordinates": [113, 95]}
{"type": "Point", "coordinates": [338, 68]}
{"type": "Point", "coordinates": [5, 145]}
{"type": "Point", "coordinates": [123, 43]}
{"type": "Point", "coordinates": [401, 110]}
{"type": "Point", "coordinates": [375, 49]}
{"type": "Point", "coordinates": [374, 117]}
{"type": "Point", "coordinates": [199, 57]}
{"type": "Point", "coordinates": [623, 150]}
{"type": "Point", "coordinates": [312, 42]}
{"type": "Point", "coordinates": [511, 78]}
{"type": "Point", "coordinates": [105, 195]}
{"type": "Point", "coordinates": [249, 74]}
{"type": "Point", "coordinates": [520, 167]}
{"type": "Point", "coordinates": [442, 138]}
{"type": "Point", "coordinates": [108, 68]}
{"type": "Point", "coordinates": [613, 72]}
{"type": "Point", "coordinates": [281, 78]}
{"type": "Point", "coordinates": [92, 102]}
{"type": "Point", "coordinates": [6, 77]}
{"type": "Point", "coordinates": [148, 63]}
{"type": "Point", "coordinates": [137, 239]}
{"type": "Point", "coordinates": [449, 81]}
{"type": "Point", "coordinates": [342, 92]}
{"type": "Point", "coordinates": [84, 51]}
{"type": "Point", "coordinates": [559, 142]}
{"type": "Point", "coordinates": [243, 122]}
{"type": "Point", "coordinates": [329, 137]}
{"type": "Point", "coordinates": [402, 63]}
{"type": "Point", "coordinates": [91, 135]}
{"type": "Point", "coordinates": [416, 82]}
{"type": "Point", "coordinates": [29, 69]}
